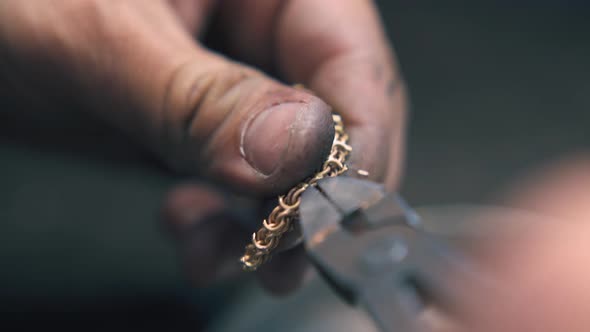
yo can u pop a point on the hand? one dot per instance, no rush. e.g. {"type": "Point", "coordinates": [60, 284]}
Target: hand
{"type": "Point", "coordinates": [136, 65]}
{"type": "Point", "coordinates": [543, 268]}
{"type": "Point", "coordinates": [548, 270]}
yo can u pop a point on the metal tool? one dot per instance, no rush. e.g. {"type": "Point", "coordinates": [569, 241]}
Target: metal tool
{"type": "Point", "coordinates": [370, 247]}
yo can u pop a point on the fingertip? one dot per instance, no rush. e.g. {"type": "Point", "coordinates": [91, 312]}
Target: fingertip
{"type": "Point", "coordinates": [310, 143]}
{"type": "Point", "coordinates": [285, 273]}
{"type": "Point", "coordinates": [207, 236]}
{"type": "Point", "coordinates": [209, 253]}
{"type": "Point", "coordinates": [187, 204]}
{"type": "Point", "coordinates": [287, 143]}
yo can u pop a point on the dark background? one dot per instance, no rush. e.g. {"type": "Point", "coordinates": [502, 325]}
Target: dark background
{"type": "Point", "coordinates": [497, 89]}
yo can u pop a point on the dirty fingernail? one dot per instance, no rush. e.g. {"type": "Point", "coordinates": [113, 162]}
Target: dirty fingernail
{"type": "Point", "coordinates": [266, 139]}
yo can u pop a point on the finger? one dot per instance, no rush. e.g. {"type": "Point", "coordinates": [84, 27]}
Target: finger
{"type": "Point", "coordinates": [193, 13]}
{"type": "Point", "coordinates": [339, 50]}
{"type": "Point", "coordinates": [137, 67]}
{"type": "Point", "coordinates": [210, 231]}
{"type": "Point", "coordinates": [559, 189]}
{"type": "Point", "coordinates": [249, 28]}
{"type": "Point", "coordinates": [544, 273]}
{"type": "Point", "coordinates": [208, 239]}
{"type": "Point", "coordinates": [285, 272]}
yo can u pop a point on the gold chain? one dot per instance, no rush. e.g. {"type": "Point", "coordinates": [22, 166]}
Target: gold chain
{"type": "Point", "coordinates": [282, 217]}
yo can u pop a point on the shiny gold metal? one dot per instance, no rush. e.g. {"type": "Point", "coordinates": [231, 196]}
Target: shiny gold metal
{"type": "Point", "coordinates": [282, 217]}
{"type": "Point", "coordinates": [362, 172]}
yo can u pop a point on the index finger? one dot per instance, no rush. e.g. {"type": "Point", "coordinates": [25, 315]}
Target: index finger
{"type": "Point", "coordinates": [339, 49]}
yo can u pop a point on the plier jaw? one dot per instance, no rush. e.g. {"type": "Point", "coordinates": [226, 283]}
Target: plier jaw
{"type": "Point", "coordinates": [369, 246]}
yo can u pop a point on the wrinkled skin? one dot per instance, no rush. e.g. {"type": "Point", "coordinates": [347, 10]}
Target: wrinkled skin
{"type": "Point", "coordinates": [138, 66]}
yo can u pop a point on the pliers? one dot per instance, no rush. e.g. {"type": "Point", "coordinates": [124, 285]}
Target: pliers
{"type": "Point", "coordinates": [369, 245]}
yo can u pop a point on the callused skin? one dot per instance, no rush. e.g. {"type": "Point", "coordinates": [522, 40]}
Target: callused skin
{"type": "Point", "coordinates": [139, 66]}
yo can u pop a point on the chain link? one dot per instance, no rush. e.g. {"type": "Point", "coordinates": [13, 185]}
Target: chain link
{"type": "Point", "coordinates": [282, 217]}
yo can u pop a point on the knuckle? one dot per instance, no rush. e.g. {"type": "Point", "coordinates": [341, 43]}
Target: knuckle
{"type": "Point", "coordinates": [53, 30]}
{"type": "Point", "coordinates": [195, 104]}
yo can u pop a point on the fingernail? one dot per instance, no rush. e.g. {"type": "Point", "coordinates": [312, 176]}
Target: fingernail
{"type": "Point", "coordinates": [266, 138]}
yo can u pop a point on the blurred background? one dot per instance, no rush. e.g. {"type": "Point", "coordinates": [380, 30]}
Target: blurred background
{"type": "Point", "coordinates": [497, 89]}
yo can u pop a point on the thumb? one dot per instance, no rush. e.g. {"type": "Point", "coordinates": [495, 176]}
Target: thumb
{"type": "Point", "coordinates": [135, 66]}
{"type": "Point", "coordinates": [239, 126]}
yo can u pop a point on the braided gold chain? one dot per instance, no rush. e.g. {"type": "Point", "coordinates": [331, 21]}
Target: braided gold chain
{"type": "Point", "coordinates": [282, 217]}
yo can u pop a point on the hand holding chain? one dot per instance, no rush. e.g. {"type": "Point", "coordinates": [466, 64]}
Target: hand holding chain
{"type": "Point", "coordinates": [282, 217]}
